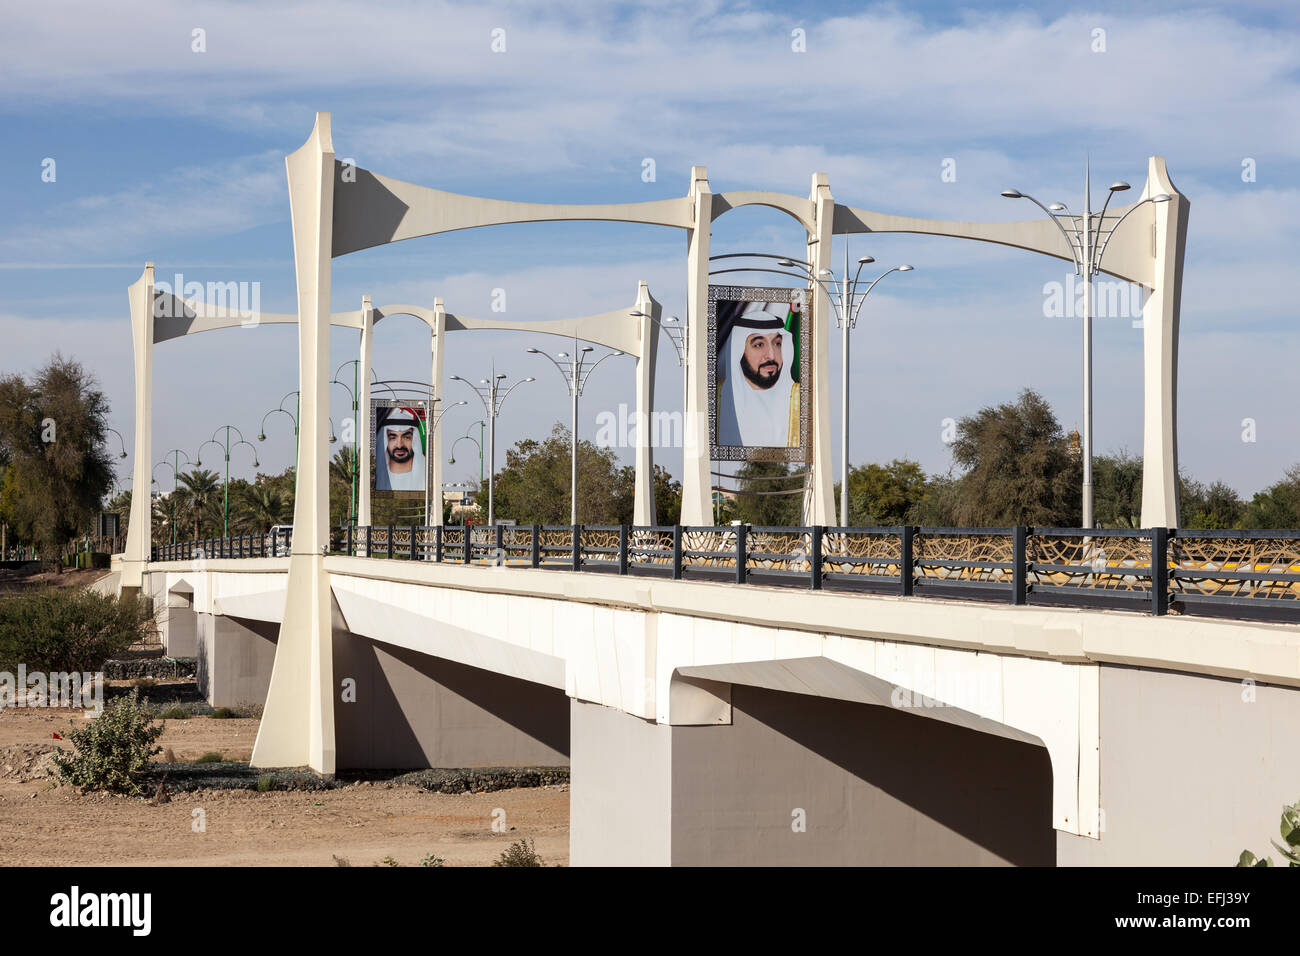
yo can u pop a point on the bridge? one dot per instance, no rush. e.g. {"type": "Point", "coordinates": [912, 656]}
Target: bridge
{"type": "Point", "coordinates": [817, 694]}
{"type": "Point", "coordinates": [792, 695]}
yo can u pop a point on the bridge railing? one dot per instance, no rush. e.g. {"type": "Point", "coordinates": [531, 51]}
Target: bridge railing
{"type": "Point", "coordinates": [1154, 570]}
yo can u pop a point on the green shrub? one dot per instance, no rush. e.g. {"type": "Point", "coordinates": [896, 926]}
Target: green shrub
{"type": "Point", "coordinates": [432, 860]}
{"type": "Point", "coordinates": [212, 756]}
{"type": "Point", "coordinates": [113, 751]}
{"type": "Point", "coordinates": [1290, 845]}
{"type": "Point", "coordinates": [68, 629]}
{"type": "Point", "coordinates": [223, 713]}
{"type": "Point", "coordinates": [175, 713]}
{"type": "Point", "coordinates": [265, 783]}
{"type": "Point", "coordinates": [520, 854]}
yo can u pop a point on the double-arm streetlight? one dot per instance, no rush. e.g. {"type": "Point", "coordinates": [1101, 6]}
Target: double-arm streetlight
{"type": "Point", "coordinates": [576, 370]}
{"type": "Point", "coordinates": [281, 410]}
{"type": "Point", "coordinates": [676, 332]}
{"type": "Point", "coordinates": [846, 297]}
{"type": "Point", "coordinates": [1087, 242]}
{"type": "Point", "coordinates": [226, 446]}
{"type": "Point", "coordinates": [352, 394]}
{"type": "Point", "coordinates": [478, 443]}
{"type": "Point", "coordinates": [489, 393]}
{"type": "Point", "coordinates": [175, 466]}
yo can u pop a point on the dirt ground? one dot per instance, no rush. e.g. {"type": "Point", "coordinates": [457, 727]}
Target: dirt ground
{"type": "Point", "coordinates": [363, 823]}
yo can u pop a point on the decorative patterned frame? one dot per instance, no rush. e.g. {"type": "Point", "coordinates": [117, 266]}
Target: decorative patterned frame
{"type": "Point", "coordinates": [375, 491]}
{"type": "Point", "coordinates": [737, 293]}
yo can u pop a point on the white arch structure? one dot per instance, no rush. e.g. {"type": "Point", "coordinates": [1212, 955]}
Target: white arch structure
{"type": "Point", "coordinates": [337, 209]}
{"type": "Point", "coordinates": [172, 317]}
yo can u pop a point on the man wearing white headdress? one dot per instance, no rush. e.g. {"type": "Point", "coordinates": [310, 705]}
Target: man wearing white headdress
{"type": "Point", "coordinates": [401, 455]}
{"type": "Point", "coordinates": [758, 404]}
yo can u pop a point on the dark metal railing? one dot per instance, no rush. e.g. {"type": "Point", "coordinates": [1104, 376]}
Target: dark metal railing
{"type": "Point", "coordinates": [1229, 573]}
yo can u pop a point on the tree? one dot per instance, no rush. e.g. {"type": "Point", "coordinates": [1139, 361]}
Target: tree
{"type": "Point", "coordinates": [1019, 467]}
{"type": "Point", "coordinates": [262, 505]}
{"type": "Point", "coordinates": [198, 502]}
{"type": "Point", "coordinates": [1216, 507]}
{"type": "Point", "coordinates": [768, 494]}
{"type": "Point", "coordinates": [343, 469]}
{"type": "Point", "coordinates": [57, 467]}
{"type": "Point", "coordinates": [1117, 490]}
{"type": "Point", "coordinates": [668, 497]}
{"type": "Point", "coordinates": [533, 487]}
{"type": "Point", "coordinates": [1278, 505]}
{"type": "Point", "coordinates": [886, 494]}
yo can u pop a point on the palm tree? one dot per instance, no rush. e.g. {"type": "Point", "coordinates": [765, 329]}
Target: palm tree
{"type": "Point", "coordinates": [197, 497]}
{"type": "Point", "coordinates": [261, 507]}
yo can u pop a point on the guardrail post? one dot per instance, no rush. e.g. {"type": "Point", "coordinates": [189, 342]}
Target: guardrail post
{"type": "Point", "coordinates": [535, 547]}
{"type": "Point", "coordinates": [415, 534]}
{"type": "Point", "coordinates": [437, 544]}
{"type": "Point", "coordinates": [677, 552]}
{"type": "Point", "coordinates": [390, 540]}
{"type": "Point", "coordinates": [351, 541]}
{"type": "Point", "coordinates": [622, 549]}
{"type": "Point", "coordinates": [815, 559]}
{"type": "Point", "coordinates": [1159, 571]}
{"type": "Point", "coordinates": [1019, 563]}
{"type": "Point", "coordinates": [577, 547]}
{"type": "Point", "coordinates": [469, 551]}
{"type": "Point", "coordinates": [499, 544]}
{"type": "Point", "coordinates": [907, 565]}
{"type": "Point", "coordinates": [742, 552]}
{"type": "Point", "coordinates": [368, 538]}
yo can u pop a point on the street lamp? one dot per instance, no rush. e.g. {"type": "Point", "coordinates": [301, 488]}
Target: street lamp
{"type": "Point", "coordinates": [847, 307]}
{"type": "Point", "coordinates": [489, 393]}
{"type": "Point", "coordinates": [281, 410]}
{"type": "Point", "coordinates": [1087, 244]}
{"type": "Point", "coordinates": [676, 332]}
{"type": "Point", "coordinates": [576, 373]}
{"type": "Point", "coordinates": [119, 438]}
{"type": "Point", "coordinates": [352, 394]}
{"type": "Point", "coordinates": [226, 446]}
{"type": "Point", "coordinates": [175, 466]}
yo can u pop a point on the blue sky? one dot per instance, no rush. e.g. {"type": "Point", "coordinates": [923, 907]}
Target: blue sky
{"type": "Point", "coordinates": [176, 157]}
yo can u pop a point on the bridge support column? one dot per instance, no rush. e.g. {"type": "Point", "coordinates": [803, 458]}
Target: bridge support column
{"type": "Point", "coordinates": [439, 341]}
{"type": "Point", "coordinates": [818, 507]}
{"type": "Point", "coordinates": [796, 779]}
{"type": "Point", "coordinates": [139, 529]}
{"type": "Point", "coordinates": [179, 624]}
{"type": "Point", "coordinates": [364, 438]}
{"type": "Point", "coordinates": [643, 506]}
{"type": "Point", "coordinates": [1160, 314]}
{"type": "Point", "coordinates": [697, 486]}
{"type": "Point", "coordinates": [234, 658]}
{"type": "Point", "coordinates": [298, 721]}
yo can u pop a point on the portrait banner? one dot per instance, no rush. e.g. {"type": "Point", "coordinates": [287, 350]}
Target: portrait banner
{"type": "Point", "coordinates": [760, 378]}
{"type": "Point", "coordinates": [401, 444]}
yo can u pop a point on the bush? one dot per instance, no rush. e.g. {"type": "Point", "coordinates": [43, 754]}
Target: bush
{"type": "Point", "coordinates": [1290, 830]}
{"type": "Point", "coordinates": [175, 713]}
{"type": "Point", "coordinates": [212, 756]}
{"type": "Point", "coordinates": [223, 713]}
{"type": "Point", "coordinates": [520, 854]}
{"type": "Point", "coordinates": [113, 751]}
{"type": "Point", "coordinates": [432, 860]}
{"type": "Point", "coordinates": [68, 629]}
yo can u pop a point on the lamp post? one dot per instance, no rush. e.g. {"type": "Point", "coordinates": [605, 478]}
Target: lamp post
{"type": "Point", "coordinates": [1087, 243]}
{"type": "Point", "coordinates": [175, 466]}
{"type": "Point", "coordinates": [478, 443]}
{"type": "Point", "coordinates": [489, 393]}
{"type": "Point", "coordinates": [120, 439]}
{"type": "Point", "coordinates": [281, 410]}
{"type": "Point", "coordinates": [676, 332]}
{"type": "Point", "coordinates": [576, 373]}
{"type": "Point", "coordinates": [352, 394]}
{"type": "Point", "coordinates": [847, 304]}
{"type": "Point", "coordinates": [226, 446]}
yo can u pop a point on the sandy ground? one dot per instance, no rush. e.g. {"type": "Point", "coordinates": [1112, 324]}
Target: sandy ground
{"type": "Point", "coordinates": [362, 823]}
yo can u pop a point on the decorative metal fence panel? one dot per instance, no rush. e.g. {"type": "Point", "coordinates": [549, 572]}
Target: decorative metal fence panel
{"type": "Point", "coordinates": [1234, 573]}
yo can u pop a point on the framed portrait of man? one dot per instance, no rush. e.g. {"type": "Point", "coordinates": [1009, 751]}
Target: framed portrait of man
{"type": "Point", "coordinates": [401, 443]}
{"type": "Point", "coordinates": [759, 374]}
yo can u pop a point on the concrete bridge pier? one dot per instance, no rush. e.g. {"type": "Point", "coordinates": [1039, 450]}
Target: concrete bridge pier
{"type": "Point", "coordinates": [795, 779]}
{"type": "Point", "coordinates": [397, 708]}
{"type": "Point", "coordinates": [234, 659]}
